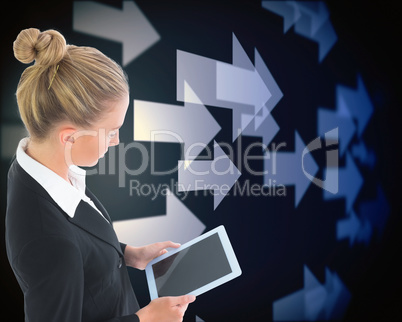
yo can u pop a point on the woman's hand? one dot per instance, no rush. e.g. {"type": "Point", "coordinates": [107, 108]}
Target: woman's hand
{"type": "Point", "coordinates": [139, 257]}
{"type": "Point", "coordinates": [162, 309]}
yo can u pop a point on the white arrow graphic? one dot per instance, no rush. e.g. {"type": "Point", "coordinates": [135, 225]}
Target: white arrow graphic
{"type": "Point", "coordinates": [128, 26]}
{"type": "Point", "coordinates": [191, 124]}
{"type": "Point", "coordinates": [219, 175]}
{"type": "Point", "coordinates": [290, 168]}
{"type": "Point", "coordinates": [178, 225]}
{"type": "Point", "coordinates": [238, 86]}
{"type": "Point", "coordinates": [267, 129]}
{"type": "Point", "coordinates": [263, 125]}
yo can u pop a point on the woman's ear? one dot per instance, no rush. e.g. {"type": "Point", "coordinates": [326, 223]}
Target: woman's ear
{"type": "Point", "coordinates": [67, 135]}
{"type": "Point", "coordinates": [70, 139]}
{"type": "Point", "coordinates": [66, 140]}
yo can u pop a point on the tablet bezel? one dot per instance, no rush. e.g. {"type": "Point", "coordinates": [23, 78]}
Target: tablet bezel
{"type": "Point", "coordinates": [229, 252]}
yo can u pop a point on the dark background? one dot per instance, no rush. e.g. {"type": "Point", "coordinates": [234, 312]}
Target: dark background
{"type": "Point", "coordinates": [272, 239]}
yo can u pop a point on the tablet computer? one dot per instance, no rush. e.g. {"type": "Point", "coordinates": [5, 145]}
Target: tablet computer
{"type": "Point", "coordinates": [195, 267]}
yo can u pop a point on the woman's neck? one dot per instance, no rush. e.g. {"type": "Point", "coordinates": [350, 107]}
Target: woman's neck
{"type": "Point", "coordinates": [49, 154]}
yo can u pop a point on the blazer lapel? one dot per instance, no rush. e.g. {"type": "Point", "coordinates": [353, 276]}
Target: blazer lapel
{"type": "Point", "coordinates": [98, 204]}
{"type": "Point", "coordinates": [87, 218]}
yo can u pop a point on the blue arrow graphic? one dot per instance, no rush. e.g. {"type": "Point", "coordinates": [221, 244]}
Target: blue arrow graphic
{"type": "Point", "coordinates": [365, 155]}
{"type": "Point", "coordinates": [348, 228]}
{"type": "Point", "coordinates": [315, 301]}
{"type": "Point", "coordinates": [341, 118]}
{"type": "Point", "coordinates": [350, 183]}
{"type": "Point", "coordinates": [286, 168]}
{"type": "Point", "coordinates": [355, 229]}
{"type": "Point", "coordinates": [311, 20]}
{"type": "Point", "coordinates": [358, 103]}
{"type": "Point", "coordinates": [314, 296]}
{"type": "Point", "coordinates": [376, 211]}
{"type": "Point", "coordinates": [287, 9]}
{"type": "Point", "coordinates": [314, 24]}
{"type": "Point", "coordinates": [365, 232]}
{"type": "Point", "coordinates": [317, 14]}
{"type": "Point", "coordinates": [326, 38]}
{"type": "Point", "coordinates": [290, 307]}
{"type": "Point", "coordinates": [338, 296]}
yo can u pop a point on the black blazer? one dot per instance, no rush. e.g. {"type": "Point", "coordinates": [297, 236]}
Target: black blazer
{"type": "Point", "coordinates": [69, 269]}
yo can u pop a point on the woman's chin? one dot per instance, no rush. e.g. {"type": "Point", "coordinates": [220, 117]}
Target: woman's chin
{"type": "Point", "coordinates": [88, 164]}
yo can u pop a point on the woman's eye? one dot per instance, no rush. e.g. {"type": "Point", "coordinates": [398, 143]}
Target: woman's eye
{"type": "Point", "coordinates": [112, 134]}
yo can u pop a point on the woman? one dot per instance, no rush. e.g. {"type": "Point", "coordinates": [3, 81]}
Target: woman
{"type": "Point", "coordinates": [60, 241]}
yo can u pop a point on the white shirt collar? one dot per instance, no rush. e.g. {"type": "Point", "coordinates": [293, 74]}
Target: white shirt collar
{"type": "Point", "coordinates": [67, 196]}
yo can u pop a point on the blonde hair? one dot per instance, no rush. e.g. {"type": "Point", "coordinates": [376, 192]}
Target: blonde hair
{"type": "Point", "coordinates": [66, 82]}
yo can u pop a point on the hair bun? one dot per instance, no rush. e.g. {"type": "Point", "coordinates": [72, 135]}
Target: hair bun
{"type": "Point", "coordinates": [46, 48]}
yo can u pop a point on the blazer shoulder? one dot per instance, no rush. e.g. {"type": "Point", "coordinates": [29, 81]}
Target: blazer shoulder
{"type": "Point", "coordinates": [31, 213]}
{"type": "Point", "coordinates": [19, 181]}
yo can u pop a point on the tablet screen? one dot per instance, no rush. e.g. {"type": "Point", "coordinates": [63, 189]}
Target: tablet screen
{"type": "Point", "coordinates": [191, 268]}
